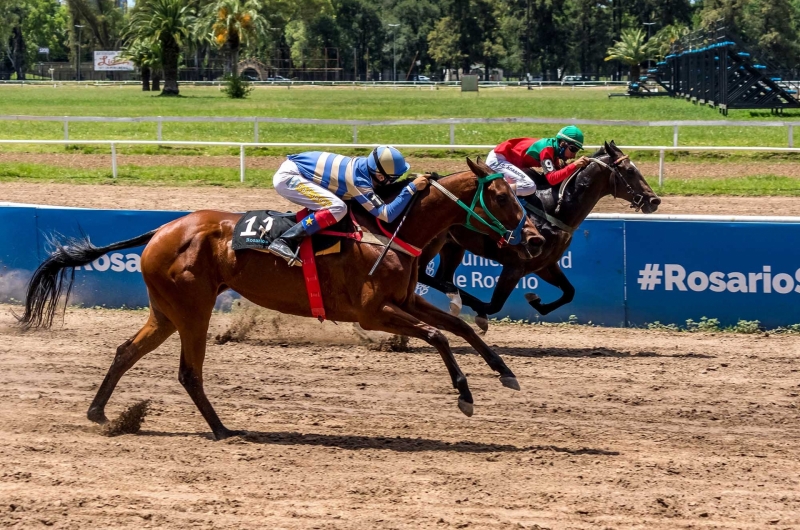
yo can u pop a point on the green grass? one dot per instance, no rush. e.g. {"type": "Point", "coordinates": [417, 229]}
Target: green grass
{"type": "Point", "coordinates": [371, 104]}
{"type": "Point", "coordinates": [136, 175]}
{"type": "Point", "coordinates": [750, 186]}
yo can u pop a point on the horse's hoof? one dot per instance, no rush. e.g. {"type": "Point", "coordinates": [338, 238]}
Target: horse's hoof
{"type": "Point", "coordinates": [97, 416]}
{"type": "Point", "coordinates": [227, 433]}
{"type": "Point", "coordinates": [510, 382]}
{"type": "Point", "coordinates": [483, 324]}
{"type": "Point", "coordinates": [467, 408]}
{"type": "Point", "coordinates": [532, 298]}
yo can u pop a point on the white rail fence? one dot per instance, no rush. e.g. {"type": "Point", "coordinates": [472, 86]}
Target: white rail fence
{"type": "Point", "coordinates": [355, 124]}
{"type": "Point", "coordinates": [242, 145]}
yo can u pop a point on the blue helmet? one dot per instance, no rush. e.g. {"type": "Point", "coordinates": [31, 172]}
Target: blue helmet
{"type": "Point", "coordinates": [387, 164]}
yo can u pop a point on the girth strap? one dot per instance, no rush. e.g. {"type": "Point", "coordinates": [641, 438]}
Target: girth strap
{"type": "Point", "coordinates": [549, 218]}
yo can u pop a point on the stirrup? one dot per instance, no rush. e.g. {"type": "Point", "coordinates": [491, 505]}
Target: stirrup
{"type": "Point", "coordinates": [291, 257]}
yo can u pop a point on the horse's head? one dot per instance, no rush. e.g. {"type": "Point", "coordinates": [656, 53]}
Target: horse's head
{"type": "Point", "coordinates": [495, 201]}
{"type": "Point", "coordinates": [627, 181]}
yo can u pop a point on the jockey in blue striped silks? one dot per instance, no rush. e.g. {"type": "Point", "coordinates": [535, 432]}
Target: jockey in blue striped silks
{"type": "Point", "coordinates": [322, 181]}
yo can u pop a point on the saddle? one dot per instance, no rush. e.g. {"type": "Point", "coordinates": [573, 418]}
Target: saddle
{"type": "Point", "coordinates": [544, 199]}
{"type": "Point", "coordinates": [256, 229]}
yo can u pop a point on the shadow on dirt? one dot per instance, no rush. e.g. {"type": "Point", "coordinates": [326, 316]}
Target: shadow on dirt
{"type": "Point", "coordinates": [398, 443]}
{"type": "Point", "coordinates": [579, 352]}
{"type": "Point", "coordinates": [401, 444]}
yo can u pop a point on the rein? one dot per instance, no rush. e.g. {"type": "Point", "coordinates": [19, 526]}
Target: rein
{"type": "Point", "coordinates": [507, 237]}
{"type": "Point", "coordinates": [637, 200]}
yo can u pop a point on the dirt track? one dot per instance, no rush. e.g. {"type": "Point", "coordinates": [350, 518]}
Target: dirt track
{"type": "Point", "coordinates": [241, 199]}
{"type": "Point", "coordinates": [612, 429]}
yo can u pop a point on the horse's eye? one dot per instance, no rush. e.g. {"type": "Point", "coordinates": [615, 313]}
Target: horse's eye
{"type": "Point", "coordinates": [502, 199]}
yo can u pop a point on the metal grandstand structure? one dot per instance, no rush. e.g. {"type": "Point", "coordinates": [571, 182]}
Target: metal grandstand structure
{"type": "Point", "coordinates": [714, 67]}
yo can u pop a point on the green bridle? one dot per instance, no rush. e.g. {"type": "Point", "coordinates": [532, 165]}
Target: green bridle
{"type": "Point", "coordinates": [511, 237]}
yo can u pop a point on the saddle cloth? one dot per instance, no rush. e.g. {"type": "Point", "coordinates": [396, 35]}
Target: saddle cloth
{"type": "Point", "coordinates": [258, 228]}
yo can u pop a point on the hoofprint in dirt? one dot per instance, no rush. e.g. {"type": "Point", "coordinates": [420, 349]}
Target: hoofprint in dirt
{"type": "Point", "coordinates": [613, 428]}
{"type": "Point", "coordinates": [244, 199]}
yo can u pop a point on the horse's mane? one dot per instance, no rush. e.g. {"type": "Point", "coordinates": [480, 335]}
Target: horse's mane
{"type": "Point", "coordinates": [541, 181]}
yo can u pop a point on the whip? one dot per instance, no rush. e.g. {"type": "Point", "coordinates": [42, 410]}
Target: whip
{"type": "Point", "coordinates": [389, 243]}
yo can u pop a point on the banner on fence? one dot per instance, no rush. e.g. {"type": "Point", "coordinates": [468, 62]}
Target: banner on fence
{"type": "Point", "coordinates": [111, 61]}
{"type": "Point", "coordinates": [625, 271]}
{"type": "Point", "coordinates": [679, 270]}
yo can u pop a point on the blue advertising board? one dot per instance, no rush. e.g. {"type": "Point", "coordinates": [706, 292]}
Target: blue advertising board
{"type": "Point", "coordinates": [627, 271]}
{"type": "Point", "coordinates": [679, 270]}
{"type": "Point", "coordinates": [114, 280]}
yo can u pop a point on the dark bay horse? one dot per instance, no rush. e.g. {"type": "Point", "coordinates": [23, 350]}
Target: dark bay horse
{"type": "Point", "coordinates": [612, 174]}
{"type": "Point", "coordinates": [189, 261]}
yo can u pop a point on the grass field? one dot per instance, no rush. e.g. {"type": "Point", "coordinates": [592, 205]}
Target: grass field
{"type": "Point", "coordinates": [371, 104]}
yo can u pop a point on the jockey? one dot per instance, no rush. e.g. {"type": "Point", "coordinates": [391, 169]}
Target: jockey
{"type": "Point", "coordinates": [322, 182]}
{"type": "Point", "coordinates": [550, 154]}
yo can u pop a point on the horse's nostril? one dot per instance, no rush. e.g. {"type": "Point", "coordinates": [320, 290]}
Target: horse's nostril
{"type": "Point", "coordinates": [655, 201]}
{"type": "Point", "coordinates": [536, 241]}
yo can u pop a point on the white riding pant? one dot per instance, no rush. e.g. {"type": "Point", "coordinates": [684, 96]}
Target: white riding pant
{"type": "Point", "coordinates": [513, 175]}
{"type": "Point", "coordinates": [291, 184]}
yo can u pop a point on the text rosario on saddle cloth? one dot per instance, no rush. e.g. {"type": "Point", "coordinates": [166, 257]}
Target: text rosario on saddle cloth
{"type": "Point", "coordinates": [256, 229]}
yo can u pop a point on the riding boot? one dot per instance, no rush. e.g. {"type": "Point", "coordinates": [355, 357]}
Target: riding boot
{"type": "Point", "coordinates": [287, 245]}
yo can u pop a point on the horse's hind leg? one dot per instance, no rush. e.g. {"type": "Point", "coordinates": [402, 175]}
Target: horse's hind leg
{"type": "Point", "coordinates": [394, 319]}
{"type": "Point", "coordinates": [147, 339]}
{"type": "Point", "coordinates": [193, 329]}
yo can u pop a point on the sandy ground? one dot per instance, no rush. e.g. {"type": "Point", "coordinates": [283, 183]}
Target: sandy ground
{"type": "Point", "coordinates": [613, 428]}
{"type": "Point", "coordinates": [242, 199]}
{"type": "Point", "coordinates": [674, 170]}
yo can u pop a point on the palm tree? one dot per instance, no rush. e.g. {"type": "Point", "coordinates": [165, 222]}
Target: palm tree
{"type": "Point", "coordinates": [166, 23]}
{"type": "Point", "coordinates": [632, 50]}
{"type": "Point", "coordinates": [233, 23]}
{"type": "Point", "coordinates": [147, 57]}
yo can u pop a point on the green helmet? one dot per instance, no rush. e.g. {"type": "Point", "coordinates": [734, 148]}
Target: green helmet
{"type": "Point", "coordinates": [571, 134]}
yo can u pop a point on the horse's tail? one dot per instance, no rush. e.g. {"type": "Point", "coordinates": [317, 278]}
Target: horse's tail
{"type": "Point", "coordinates": [57, 273]}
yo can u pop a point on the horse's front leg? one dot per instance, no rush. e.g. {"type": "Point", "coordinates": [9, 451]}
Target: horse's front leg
{"type": "Point", "coordinates": [425, 311]}
{"type": "Point", "coordinates": [554, 276]}
{"type": "Point", "coordinates": [393, 319]}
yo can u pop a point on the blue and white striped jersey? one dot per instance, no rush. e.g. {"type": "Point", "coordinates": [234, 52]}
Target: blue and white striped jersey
{"type": "Point", "coordinates": [349, 178]}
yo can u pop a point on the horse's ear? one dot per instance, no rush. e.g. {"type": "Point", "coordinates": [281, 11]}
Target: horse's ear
{"type": "Point", "coordinates": [606, 148]}
{"type": "Point", "coordinates": [478, 160]}
{"type": "Point", "coordinates": [471, 165]}
{"type": "Point", "coordinates": [479, 168]}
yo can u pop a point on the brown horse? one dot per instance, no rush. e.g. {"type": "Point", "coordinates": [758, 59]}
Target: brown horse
{"type": "Point", "coordinates": [189, 261]}
{"type": "Point", "coordinates": [611, 174]}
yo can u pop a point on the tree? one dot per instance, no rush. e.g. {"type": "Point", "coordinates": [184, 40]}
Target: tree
{"type": "Point", "coordinates": [769, 24]}
{"type": "Point", "coordinates": [667, 37]}
{"type": "Point", "coordinates": [233, 23]}
{"type": "Point", "coordinates": [168, 24]}
{"type": "Point", "coordinates": [360, 29]}
{"type": "Point", "coordinates": [103, 18]}
{"type": "Point", "coordinates": [12, 15]}
{"type": "Point", "coordinates": [632, 50]}
{"type": "Point", "coordinates": [45, 25]}
{"type": "Point", "coordinates": [443, 44]}
{"type": "Point", "coordinates": [146, 56]}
